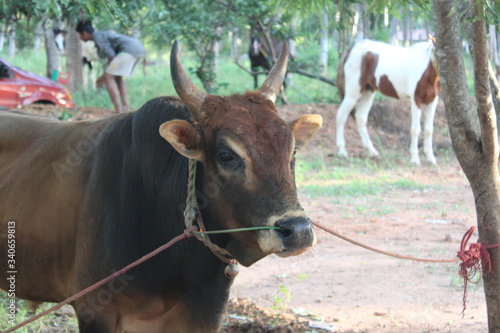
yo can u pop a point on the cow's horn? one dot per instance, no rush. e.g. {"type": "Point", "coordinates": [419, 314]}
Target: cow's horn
{"type": "Point", "coordinates": [272, 85]}
{"type": "Point", "coordinates": [187, 91]}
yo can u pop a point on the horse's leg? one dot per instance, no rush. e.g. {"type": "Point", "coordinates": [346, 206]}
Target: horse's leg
{"type": "Point", "coordinates": [361, 115]}
{"type": "Point", "coordinates": [416, 113]}
{"type": "Point", "coordinates": [343, 112]}
{"type": "Point", "coordinates": [429, 112]}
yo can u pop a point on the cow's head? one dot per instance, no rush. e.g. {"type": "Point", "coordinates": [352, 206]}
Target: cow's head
{"type": "Point", "coordinates": [254, 48]}
{"type": "Point", "coordinates": [248, 155]}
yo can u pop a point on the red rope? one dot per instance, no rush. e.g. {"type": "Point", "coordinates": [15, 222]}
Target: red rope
{"type": "Point", "coordinates": [473, 259]}
{"type": "Point", "coordinates": [186, 234]}
{"type": "Point", "coordinates": [390, 254]}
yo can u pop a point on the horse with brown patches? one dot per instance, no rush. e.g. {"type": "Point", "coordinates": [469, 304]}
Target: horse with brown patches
{"type": "Point", "coordinates": [88, 198]}
{"type": "Point", "coordinates": [396, 72]}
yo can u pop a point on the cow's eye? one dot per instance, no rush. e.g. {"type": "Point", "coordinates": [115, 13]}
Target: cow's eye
{"type": "Point", "coordinates": [225, 157]}
{"type": "Point", "coordinates": [229, 160]}
{"type": "Point", "coordinates": [292, 162]}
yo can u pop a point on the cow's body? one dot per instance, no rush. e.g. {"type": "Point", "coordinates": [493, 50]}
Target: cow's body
{"type": "Point", "coordinates": [89, 177]}
{"type": "Point", "coordinates": [396, 72]}
{"type": "Point", "coordinates": [88, 198]}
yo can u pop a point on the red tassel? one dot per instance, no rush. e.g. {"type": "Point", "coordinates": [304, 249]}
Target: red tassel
{"type": "Point", "coordinates": [473, 259]}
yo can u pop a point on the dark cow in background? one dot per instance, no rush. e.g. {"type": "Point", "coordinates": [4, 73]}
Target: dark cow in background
{"type": "Point", "coordinates": [260, 54]}
{"type": "Point", "coordinates": [258, 58]}
{"type": "Point", "coordinates": [87, 198]}
{"type": "Point", "coordinates": [398, 72]}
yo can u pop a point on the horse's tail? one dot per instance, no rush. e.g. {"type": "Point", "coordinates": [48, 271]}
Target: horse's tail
{"type": "Point", "coordinates": [340, 83]}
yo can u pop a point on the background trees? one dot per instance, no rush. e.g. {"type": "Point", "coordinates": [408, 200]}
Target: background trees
{"type": "Point", "coordinates": [324, 28]}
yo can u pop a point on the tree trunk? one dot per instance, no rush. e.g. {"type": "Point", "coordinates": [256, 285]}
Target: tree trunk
{"type": "Point", "coordinates": [342, 40]}
{"type": "Point", "coordinates": [38, 36]}
{"type": "Point", "coordinates": [53, 55]}
{"type": "Point", "coordinates": [74, 59]}
{"type": "Point", "coordinates": [409, 25]}
{"type": "Point", "coordinates": [2, 36]}
{"type": "Point", "coordinates": [476, 149]}
{"type": "Point", "coordinates": [405, 28]}
{"type": "Point", "coordinates": [394, 31]}
{"type": "Point", "coordinates": [466, 20]}
{"type": "Point", "coordinates": [12, 41]}
{"type": "Point", "coordinates": [235, 54]}
{"type": "Point", "coordinates": [494, 57]}
{"type": "Point", "coordinates": [323, 54]}
{"type": "Point", "coordinates": [359, 24]}
{"type": "Point", "coordinates": [206, 69]}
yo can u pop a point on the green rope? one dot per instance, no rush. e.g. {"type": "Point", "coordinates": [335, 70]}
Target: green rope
{"type": "Point", "coordinates": [227, 230]}
{"type": "Point", "coordinates": [235, 230]}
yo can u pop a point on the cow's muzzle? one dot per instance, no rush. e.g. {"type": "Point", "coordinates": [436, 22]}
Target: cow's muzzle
{"type": "Point", "coordinates": [296, 234]}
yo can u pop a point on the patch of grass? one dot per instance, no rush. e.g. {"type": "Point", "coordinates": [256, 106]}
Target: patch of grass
{"type": "Point", "coordinates": [385, 210]}
{"type": "Point", "coordinates": [358, 187]}
{"type": "Point", "coordinates": [58, 321]}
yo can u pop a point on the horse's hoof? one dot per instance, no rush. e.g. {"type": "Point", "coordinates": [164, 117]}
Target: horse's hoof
{"type": "Point", "coordinates": [432, 160]}
{"type": "Point", "coordinates": [343, 154]}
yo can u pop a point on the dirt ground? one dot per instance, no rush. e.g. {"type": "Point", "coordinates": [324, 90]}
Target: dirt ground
{"type": "Point", "coordinates": [339, 287]}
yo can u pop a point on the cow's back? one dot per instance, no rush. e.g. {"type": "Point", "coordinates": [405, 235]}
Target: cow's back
{"type": "Point", "coordinates": [43, 170]}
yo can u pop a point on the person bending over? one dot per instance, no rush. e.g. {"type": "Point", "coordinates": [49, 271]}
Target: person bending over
{"type": "Point", "coordinates": [123, 52]}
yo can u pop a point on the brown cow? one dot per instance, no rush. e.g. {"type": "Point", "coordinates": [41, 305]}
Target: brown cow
{"type": "Point", "coordinates": [84, 199]}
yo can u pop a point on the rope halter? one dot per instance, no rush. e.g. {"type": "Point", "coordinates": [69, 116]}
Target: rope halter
{"type": "Point", "coordinates": [192, 213]}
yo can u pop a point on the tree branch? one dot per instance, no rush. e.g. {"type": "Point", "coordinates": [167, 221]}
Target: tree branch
{"type": "Point", "coordinates": [312, 76]}
{"type": "Point", "coordinates": [290, 70]}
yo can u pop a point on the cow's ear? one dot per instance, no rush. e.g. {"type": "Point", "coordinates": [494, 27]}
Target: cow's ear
{"type": "Point", "coordinates": [183, 137]}
{"type": "Point", "coordinates": [303, 128]}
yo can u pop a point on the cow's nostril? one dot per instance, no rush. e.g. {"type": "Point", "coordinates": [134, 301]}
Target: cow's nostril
{"type": "Point", "coordinates": [296, 235]}
{"type": "Point", "coordinates": [295, 232]}
{"type": "Point", "coordinates": [284, 230]}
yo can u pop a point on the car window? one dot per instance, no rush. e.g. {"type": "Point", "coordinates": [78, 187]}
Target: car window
{"type": "Point", "coordinates": [5, 72]}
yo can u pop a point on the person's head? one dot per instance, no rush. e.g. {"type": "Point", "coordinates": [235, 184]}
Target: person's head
{"type": "Point", "coordinates": [85, 29]}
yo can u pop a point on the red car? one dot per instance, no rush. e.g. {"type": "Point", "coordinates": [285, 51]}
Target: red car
{"type": "Point", "coordinates": [19, 88]}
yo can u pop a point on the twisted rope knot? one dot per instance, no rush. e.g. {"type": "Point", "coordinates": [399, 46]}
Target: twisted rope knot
{"type": "Point", "coordinates": [473, 259]}
{"type": "Point", "coordinates": [189, 232]}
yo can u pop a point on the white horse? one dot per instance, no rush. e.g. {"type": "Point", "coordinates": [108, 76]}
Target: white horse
{"type": "Point", "coordinates": [397, 72]}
